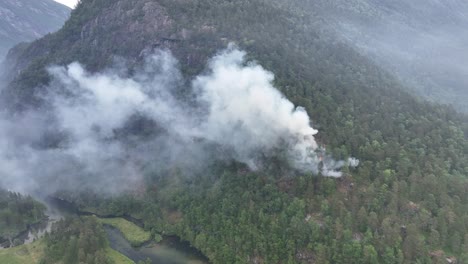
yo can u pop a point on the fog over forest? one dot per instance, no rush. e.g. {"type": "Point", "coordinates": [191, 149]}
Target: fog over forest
{"type": "Point", "coordinates": [424, 42]}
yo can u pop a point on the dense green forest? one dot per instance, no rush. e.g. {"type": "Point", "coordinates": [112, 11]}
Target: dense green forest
{"type": "Point", "coordinates": [407, 202]}
{"type": "Point", "coordinates": [76, 240]}
{"type": "Point", "coordinates": [16, 213]}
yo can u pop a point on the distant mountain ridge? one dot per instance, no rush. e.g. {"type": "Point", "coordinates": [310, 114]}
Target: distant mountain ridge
{"type": "Point", "coordinates": [26, 20]}
{"type": "Point", "coordinates": [425, 43]}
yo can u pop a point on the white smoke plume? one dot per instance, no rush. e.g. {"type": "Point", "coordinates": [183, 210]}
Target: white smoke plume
{"type": "Point", "coordinates": [248, 114]}
{"type": "Point", "coordinates": [234, 107]}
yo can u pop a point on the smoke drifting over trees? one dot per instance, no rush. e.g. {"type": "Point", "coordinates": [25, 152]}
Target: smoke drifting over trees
{"type": "Point", "coordinates": [107, 129]}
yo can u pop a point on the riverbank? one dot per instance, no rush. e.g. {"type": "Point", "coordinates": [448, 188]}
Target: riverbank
{"type": "Point", "coordinates": [161, 253]}
{"type": "Point", "coordinates": [26, 235]}
{"type": "Point", "coordinates": [133, 233]}
{"type": "Point", "coordinates": [129, 242]}
{"type": "Point", "coordinates": [161, 249]}
{"type": "Point", "coordinates": [137, 244]}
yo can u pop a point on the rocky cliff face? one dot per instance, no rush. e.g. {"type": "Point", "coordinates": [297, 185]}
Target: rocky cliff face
{"type": "Point", "coordinates": [26, 20]}
{"type": "Point", "coordinates": [422, 43]}
{"type": "Point", "coordinates": [100, 31]}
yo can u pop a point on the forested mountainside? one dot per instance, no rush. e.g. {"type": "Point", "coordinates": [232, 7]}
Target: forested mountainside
{"type": "Point", "coordinates": [423, 42]}
{"type": "Point", "coordinates": [27, 20]}
{"type": "Point", "coordinates": [405, 203]}
{"type": "Point", "coordinates": [75, 240]}
{"type": "Point", "coordinates": [17, 212]}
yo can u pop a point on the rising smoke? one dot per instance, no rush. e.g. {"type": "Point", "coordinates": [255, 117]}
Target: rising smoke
{"type": "Point", "coordinates": [95, 130]}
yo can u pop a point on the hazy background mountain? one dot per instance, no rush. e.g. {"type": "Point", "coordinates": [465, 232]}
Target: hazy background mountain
{"type": "Point", "coordinates": [425, 43]}
{"type": "Point", "coordinates": [26, 20]}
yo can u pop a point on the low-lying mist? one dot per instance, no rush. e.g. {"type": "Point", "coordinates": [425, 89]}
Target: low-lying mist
{"type": "Point", "coordinates": [104, 131]}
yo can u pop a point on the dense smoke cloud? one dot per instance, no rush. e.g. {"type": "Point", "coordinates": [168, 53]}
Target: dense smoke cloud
{"type": "Point", "coordinates": [95, 131]}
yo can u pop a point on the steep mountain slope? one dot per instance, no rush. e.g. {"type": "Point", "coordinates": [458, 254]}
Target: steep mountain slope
{"type": "Point", "coordinates": [405, 203]}
{"type": "Point", "coordinates": [140, 27]}
{"type": "Point", "coordinates": [423, 42]}
{"type": "Point", "coordinates": [26, 20]}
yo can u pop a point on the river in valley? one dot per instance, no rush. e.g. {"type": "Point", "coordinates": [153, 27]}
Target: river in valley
{"type": "Point", "coordinates": [171, 250]}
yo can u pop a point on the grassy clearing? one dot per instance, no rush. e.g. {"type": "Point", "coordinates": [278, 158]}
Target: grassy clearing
{"type": "Point", "coordinates": [117, 257]}
{"type": "Point", "coordinates": [31, 253]}
{"type": "Point", "coordinates": [133, 233]}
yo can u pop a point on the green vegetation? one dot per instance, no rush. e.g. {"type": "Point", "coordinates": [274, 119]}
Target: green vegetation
{"type": "Point", "coordinates": [117, 258]}
{"type": "Point", "coordinates": [76, 240]}
{"type": "Point", "coordinates": [133, 233]}
{"type": "Point", "coordinates": [34, 253]}
{"type": "Point", "coordinates": [17, 212]}
{"type": "Point", "coordinates": [405, 203]}
{"type": "Point", "coordinates": [31, 253]}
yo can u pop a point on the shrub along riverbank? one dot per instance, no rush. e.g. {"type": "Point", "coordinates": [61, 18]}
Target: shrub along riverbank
{"type": "Point", "coordinates": [136, 235]}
